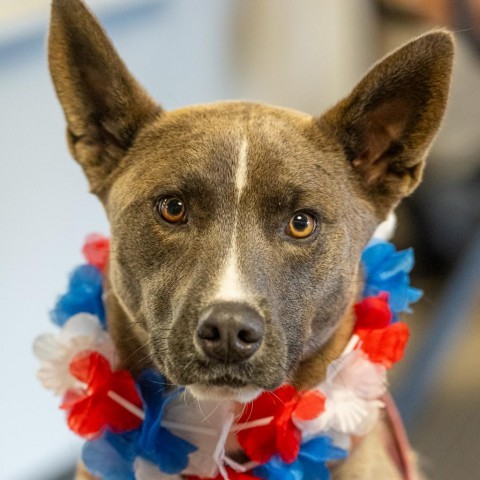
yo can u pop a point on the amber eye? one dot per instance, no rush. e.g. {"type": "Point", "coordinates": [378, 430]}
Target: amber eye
{"type": "Point", "coordinates": [172, 209]}
{"type": "Point", "coordinates": [301, 225]}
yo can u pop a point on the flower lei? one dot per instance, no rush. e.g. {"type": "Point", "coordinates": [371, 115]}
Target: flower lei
{"type": "Point", "coordinates": [135, 430]}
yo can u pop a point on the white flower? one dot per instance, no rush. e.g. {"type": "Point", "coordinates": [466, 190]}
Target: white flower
{"type": "Point", "coordinates": [206, 425]}
{"type": "Point", "coordinates": [80, 333]}
{"type": "Point", "coordinates": [346, 412]}
{"type": "Point", "coordinates": [357, 373]}
{"type": "Point", "coordinates": [352, 388]}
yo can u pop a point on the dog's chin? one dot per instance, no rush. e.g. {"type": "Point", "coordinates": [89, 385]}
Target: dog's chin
{"type": "Point", "coordinates": [224, 393]}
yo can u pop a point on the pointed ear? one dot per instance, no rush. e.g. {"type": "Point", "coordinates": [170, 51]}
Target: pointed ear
{"type": "Point", "coordinates": [104, 105]}
{"type": "Point", "coordinates": [386, 125]}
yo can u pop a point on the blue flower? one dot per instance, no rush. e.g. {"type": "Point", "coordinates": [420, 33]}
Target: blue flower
{"type": "Point", "coordinates": [310, 464]}
{"type": "Point", "coordinates": [111, 456]}
{"type": "Point", "coordinates": [84, 295]}
{"type": "Point", "coordinates": [387, 270]}
{"type": "Point", "coordinates": [156, 443]}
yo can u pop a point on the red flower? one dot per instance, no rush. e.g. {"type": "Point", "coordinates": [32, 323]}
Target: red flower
{"type": "Point", "coordinates": [90, 412]}
{"type": "Point", "coordinates": [385, 345]}
{"type": "Point", "coordinates": [232, 475]}
{"type": "Point", "coordinates": [280, 435]}
{"type": "Point", "coordinates": [96, 250]}
{"type": "Point", "coordinates": [373, 312]}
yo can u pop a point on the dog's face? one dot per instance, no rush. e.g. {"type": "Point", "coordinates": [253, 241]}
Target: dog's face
{"type": "Point", "coordinates": [237, 228]}
{"type": "Point", "coordinates": [267, 219]}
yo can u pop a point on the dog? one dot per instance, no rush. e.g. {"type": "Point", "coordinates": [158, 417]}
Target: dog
{"type": "Point", "coordinates": [236, 227]}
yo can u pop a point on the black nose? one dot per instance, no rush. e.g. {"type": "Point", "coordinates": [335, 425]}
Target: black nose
{"type": "Point", "coordinates": [230, 332]}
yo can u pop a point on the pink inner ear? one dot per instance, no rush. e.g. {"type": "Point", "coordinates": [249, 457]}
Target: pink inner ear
{"type": "Point", "coordinates": [384, 126]}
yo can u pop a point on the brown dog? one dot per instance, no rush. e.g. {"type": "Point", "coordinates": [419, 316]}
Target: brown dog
{"type": "Point", "coordinates": [237, 228]}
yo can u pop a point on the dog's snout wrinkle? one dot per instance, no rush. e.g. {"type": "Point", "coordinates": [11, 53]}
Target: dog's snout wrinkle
{"type": "Point", "coordinates": [230, 332]}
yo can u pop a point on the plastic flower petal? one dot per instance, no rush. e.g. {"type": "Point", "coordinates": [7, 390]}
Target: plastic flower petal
{"type": "Point", "coordinates": [385, 345]}
{"type": "Point", "coordinates": [310, 405]}
{"type": "Point", "coordinates": [388, 271]}
{"type": "Point", "coordinates": [92, 408]}
{"type": "Point", "coordinates": [275, 469]}
{"type": "Point", "coordinates": [111, 456]}
{"type": "Point", "coordinates": [96, 250]}
{"type": "Point", "coordinates": [373, 312]}
{"type": "Point", "coordinates": [80, 333]}
{"type": "Point", "coordinates": [315, 453]}
{"type": "Point", "coordinates": [165, 449]}
{"type": "Point", "coordinates": [157, 444]}
{"type": "Point", "coordinates": [386, 229]}
{"type": "Point", "coordinates": [310, 464]}
{"type": "Point", "coordinates": [261, 443]}
{"type": "Point", "coordinates": [281, 435]}
{"type": "Point", "coordinates": [84, 295]}
{"type": "Point", "coordinates": [352, 387]}
{"type": "Point", "coordinates": [346, 412]}
{"type": "Point", "coordinates": [357, 373]}
{"type": "Point", "coordinates": [205, 425]}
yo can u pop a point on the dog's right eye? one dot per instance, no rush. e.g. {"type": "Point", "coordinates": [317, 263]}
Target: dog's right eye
{"type": "Point", "coordinates": [301, 225]}
{"type": "Point", "coordinates": [172, 209]}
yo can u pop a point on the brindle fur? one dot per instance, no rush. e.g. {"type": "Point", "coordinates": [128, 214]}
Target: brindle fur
{"type": "Point", "coordinates": [350, 166]}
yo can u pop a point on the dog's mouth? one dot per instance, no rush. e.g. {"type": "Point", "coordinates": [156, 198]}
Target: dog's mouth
{"type": "Point", "coordinates": [241, 383]}
{"type": "Point", "coordinates": [221, 382]}
{"type": "Point", "coordinates": [239, 392]}
{"type": "Point", "coordinates": [225, 381]}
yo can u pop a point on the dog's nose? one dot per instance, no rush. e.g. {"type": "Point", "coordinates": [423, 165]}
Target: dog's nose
{"type": "Point", "coordinates": [230, 332]}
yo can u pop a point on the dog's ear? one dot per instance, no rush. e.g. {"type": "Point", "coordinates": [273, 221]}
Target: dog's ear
{"type": "Point", "coordinates": [104, 105]}
{"type": "Point", "coordinates": [385, 126]}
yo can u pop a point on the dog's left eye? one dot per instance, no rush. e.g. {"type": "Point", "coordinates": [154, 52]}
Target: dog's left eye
{"type": "Point", "coordinates": [301, 225]}
{"type": "Point", "coordinates": [172, 209]}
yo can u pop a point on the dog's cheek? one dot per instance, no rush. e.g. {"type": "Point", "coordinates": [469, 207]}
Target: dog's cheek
{"type": "Point", "coordinates": [292, 311]}
{"type": "Point", "coordinates": [273, 362]}
{"type": "Point", "coordinates": [173, 340]}
{"type": "Point", "coordinates": [323, 281]}
{"type": "Point", "coordinates": [126, 289]}
{"type": "Point", "coordinates": [337, 281]}
{"type": "Point", "coordinates": [331, 310]}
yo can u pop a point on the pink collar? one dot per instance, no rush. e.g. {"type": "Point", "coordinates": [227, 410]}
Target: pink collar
{"type": "Point", "coordinates": [396, 440]}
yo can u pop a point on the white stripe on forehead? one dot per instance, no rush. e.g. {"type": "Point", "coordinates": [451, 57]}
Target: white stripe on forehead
{"type": "Point", "coordinates": [241, 176]}
{"type": "Point", "coordinates": [230, 285]}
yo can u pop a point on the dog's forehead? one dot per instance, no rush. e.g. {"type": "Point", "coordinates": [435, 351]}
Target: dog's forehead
{"type": "Point", "coordinates": [220, 132]}
{"type": "Point", "coordinates": [225, 147]}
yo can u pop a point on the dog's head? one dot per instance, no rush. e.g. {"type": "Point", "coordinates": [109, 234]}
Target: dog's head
{"type": "Point", "coordinates": [237, 228]}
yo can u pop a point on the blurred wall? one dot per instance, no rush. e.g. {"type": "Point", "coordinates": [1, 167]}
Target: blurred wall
{"type": "Point", "coordinates": [305, 54]}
